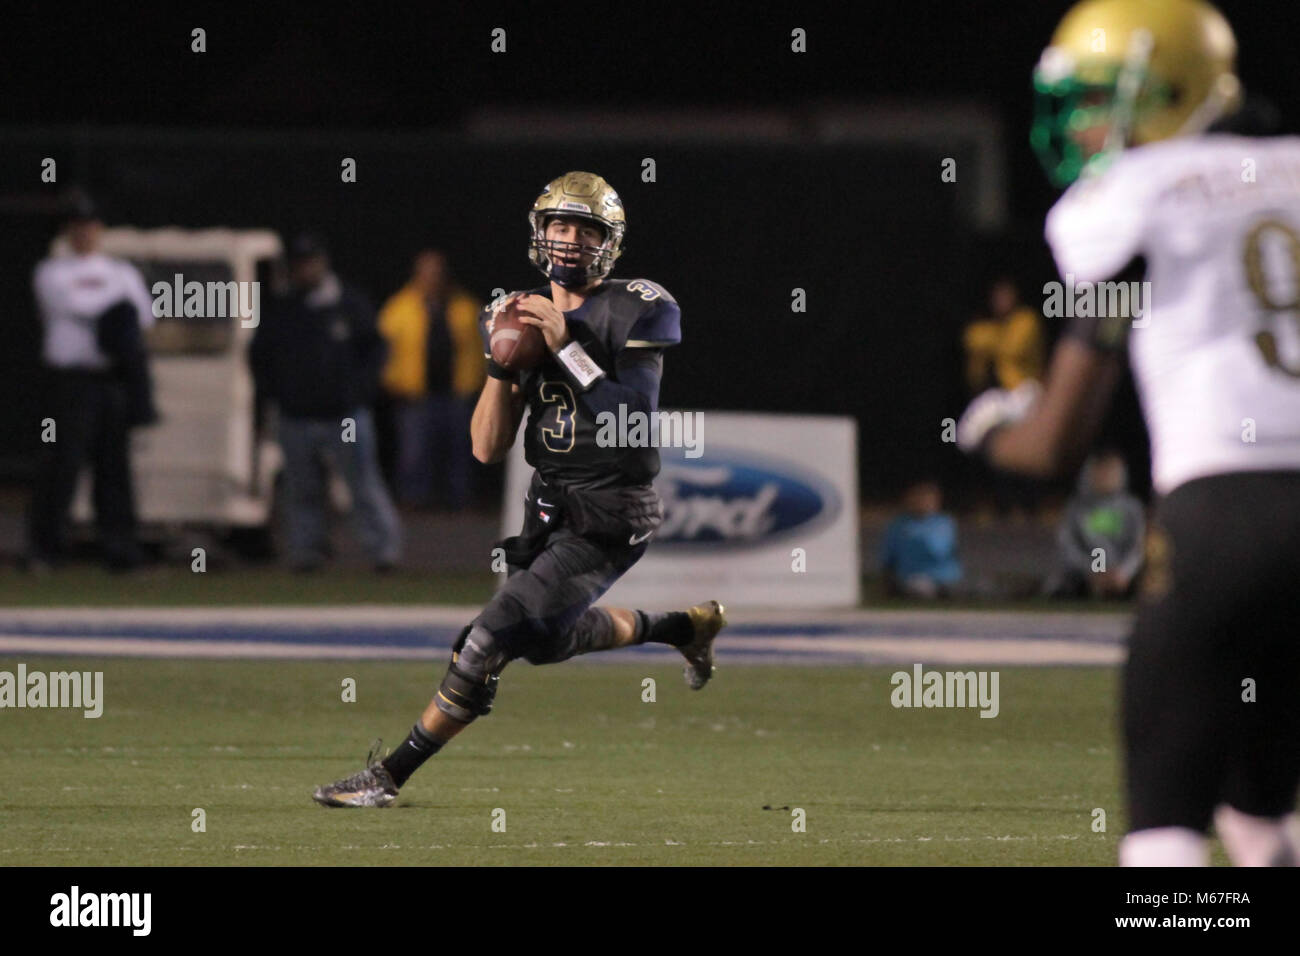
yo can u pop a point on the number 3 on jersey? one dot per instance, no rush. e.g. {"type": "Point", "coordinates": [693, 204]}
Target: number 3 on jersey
{"type": "Point", "coordinates": [560, 437]}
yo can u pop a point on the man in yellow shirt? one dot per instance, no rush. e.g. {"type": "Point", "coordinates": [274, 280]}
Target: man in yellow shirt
{"type": "Point", "coordinates": [1006, 349]}
{"type": "Point", "coordinates": [435, 369]}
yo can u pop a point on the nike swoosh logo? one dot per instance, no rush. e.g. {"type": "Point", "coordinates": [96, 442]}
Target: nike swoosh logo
{"type": "Point", "coordinates": [638, 538]}
{"type": "Point", "coordinates": [545, 504]}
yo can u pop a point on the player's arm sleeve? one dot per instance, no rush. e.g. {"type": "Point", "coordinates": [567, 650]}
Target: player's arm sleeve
{"type": "Point", "coordinates": [634, 384]}
{"type": "Point", "coordinates": [1106, 332]}
{"type": "Point", "coordinates": [639, 364]}
{"type": "Point", "coordinates": [657, 327]}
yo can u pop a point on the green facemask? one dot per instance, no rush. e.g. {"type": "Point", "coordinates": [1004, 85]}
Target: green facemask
{"type": "Point", "coordinates": [1069, 106]}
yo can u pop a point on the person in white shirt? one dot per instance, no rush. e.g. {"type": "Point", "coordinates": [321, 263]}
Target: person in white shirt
{"type": "Point", "coordinates": [1190, 234]}
{"type": "Point", "coordinates": [89, 406]}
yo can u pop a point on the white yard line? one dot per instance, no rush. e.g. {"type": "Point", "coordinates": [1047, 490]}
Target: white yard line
{"type": "Point", "coordinates": [351, 615]}
{"type": "Point", "coordinates": [340, 616]}
{"type": "Point", "coordinates": [237, 650]}
{"type": "Point", "coordinates": [885, 637]}
{"type": "Point", "coordinates": [738, 650]}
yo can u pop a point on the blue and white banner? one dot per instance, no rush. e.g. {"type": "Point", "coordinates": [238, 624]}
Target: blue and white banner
{"type": "Point", "coordinates": [760, 512]}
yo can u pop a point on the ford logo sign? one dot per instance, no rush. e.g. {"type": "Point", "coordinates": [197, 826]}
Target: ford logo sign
{"type": "Point", "coordinates": [736, 498]}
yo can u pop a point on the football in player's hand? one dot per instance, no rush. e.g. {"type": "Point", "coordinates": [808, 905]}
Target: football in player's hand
{"type": "Point", "coordinates": [516, 346]}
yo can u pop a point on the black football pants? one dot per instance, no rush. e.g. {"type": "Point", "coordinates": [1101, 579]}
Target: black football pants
{"type": "Point", "coordinates": [1211, 690]}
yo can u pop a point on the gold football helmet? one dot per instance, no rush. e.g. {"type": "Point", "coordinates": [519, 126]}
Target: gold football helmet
{"type": "Point", "coordinates": [1142, 70]}
{"type": "Point", "coordinates": [586, 196]}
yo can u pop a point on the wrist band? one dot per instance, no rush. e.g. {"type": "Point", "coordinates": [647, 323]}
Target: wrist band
{"type": "Point", "coordinates": [496, 370]}
{"type": "Point", "coordinates": [579, 366]}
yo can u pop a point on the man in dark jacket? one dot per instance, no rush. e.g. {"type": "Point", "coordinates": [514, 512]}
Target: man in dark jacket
{"type": "Point", "coordinates": [318, 355]}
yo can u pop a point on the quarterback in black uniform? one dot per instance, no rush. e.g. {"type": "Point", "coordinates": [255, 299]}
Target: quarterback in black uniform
{"type": "Point", "coordinates": [590, 510]}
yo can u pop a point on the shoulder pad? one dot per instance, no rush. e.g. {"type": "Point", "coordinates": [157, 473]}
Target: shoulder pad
{"type": "Point", "coordinates": [648, 291]}
{"type": "Point", "coordinates": [1100, 223]}
{"type": "Point", "coordinates": [659, 320]}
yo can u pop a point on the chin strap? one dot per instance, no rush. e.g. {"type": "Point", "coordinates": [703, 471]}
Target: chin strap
{"type": "Point", "coordinates": [570, 277]}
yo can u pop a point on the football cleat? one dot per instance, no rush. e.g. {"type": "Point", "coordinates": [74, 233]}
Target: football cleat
{"type": "Point", "coordinates": [372, 787]}
{"type": "Point", "coordinates": [707, 619]}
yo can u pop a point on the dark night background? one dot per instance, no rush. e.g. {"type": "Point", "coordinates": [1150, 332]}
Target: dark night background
{"type": "Point", "coordinates": [251, 132]}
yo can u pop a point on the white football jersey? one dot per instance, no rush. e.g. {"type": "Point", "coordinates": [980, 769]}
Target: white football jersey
{"type": "Point", "coordinates": [1216, 357]}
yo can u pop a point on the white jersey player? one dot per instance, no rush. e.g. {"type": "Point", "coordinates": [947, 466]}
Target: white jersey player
{"type": "Point", "coordinates": [1179, 243]}
{"type": "Point", "coordinates": [1216, 349]}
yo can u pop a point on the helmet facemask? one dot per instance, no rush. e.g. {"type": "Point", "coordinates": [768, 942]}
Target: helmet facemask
{"type": "Point", "coordinates": [543, 252]}
{"type": "Point", "coordinates": [1070, 98]}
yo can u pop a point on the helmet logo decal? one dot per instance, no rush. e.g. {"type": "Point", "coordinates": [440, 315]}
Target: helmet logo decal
{"type": "Point", "coordinates": [577, 264]}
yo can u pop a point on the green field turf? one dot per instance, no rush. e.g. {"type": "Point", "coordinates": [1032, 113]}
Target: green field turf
{"type": "Point", "coordinates": [586, 772]}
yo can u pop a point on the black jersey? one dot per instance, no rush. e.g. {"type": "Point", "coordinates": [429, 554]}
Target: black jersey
{"type": "Point", "coordinates": [560, 437]}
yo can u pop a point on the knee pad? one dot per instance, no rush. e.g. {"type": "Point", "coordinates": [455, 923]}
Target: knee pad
{"type": "Point", "coordinates": [470, 684]}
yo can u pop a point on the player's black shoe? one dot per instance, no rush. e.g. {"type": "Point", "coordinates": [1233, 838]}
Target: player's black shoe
{"type": "Point", "coordinates": [372, 787]}
{"type": "Point", "coordinates": [708, 619]}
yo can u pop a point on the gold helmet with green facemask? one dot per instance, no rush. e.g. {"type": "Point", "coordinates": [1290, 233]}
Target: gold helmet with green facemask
{"type": "Point", "coordinates": [1143, 70]}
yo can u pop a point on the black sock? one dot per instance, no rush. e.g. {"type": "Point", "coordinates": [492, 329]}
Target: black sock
{"type": "Point", "coordinates": [673, 628]}
{"type": "Point", "coordinates": [418, 747]}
